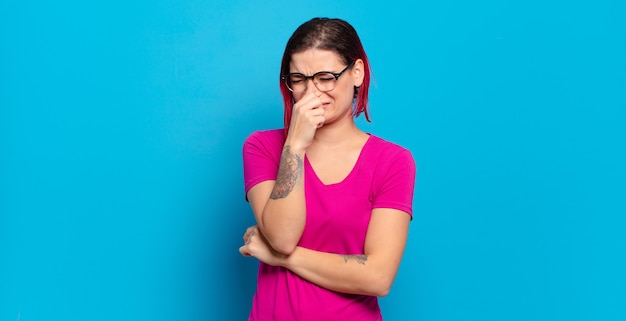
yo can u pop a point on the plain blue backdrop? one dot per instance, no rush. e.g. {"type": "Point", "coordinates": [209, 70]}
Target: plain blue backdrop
{"type": "Point", "coordinates": [121, 125]}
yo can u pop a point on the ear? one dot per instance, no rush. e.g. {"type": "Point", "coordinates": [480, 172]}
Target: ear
{"type": "Point", "coordinates": [358, 72]}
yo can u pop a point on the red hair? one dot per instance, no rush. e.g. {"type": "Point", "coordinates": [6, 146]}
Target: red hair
{"type": "Point", "coordinates": [329, 34]}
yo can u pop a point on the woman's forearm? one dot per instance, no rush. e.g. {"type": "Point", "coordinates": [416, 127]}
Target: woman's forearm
{"type": "Point", "coordinates": [284, 215]}
{"type": "Point", "coordinates": [355, 274]}
{"type": "Point", "coordinates": [369, 273]}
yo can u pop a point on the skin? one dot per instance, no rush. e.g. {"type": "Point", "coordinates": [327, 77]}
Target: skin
{"type": "Point", "coordinates": [323, 129]}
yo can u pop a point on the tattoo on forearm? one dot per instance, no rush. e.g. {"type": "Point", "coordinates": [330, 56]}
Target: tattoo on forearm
{"type": "Point", "coordinates": [290, 169]}
{"type": "Point", "coordinates": [360, 258]}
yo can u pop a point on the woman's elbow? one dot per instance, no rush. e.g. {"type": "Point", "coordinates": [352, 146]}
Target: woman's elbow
{"type": "Point", "coordinates": [282, 239]}
{"type": "Point", "coordinates": [381, 286]}
{"type": "Point", "coordinates": [283, 245]}
{"type": "Point", "coordinates": [380, 290]}
{"type": "Point", "coordinates": [284, 248]}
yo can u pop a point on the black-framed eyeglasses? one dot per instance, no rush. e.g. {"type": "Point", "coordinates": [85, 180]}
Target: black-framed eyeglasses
{"type": "Point", "coordinates": [324, 80]}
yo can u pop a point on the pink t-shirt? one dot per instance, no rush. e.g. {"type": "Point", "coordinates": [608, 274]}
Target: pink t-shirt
{"type": "Point", "coordinates": [337, 216]}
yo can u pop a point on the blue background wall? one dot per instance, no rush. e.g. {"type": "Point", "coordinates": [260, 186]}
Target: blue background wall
{"type": "Point", "coordinates": [121, 124]}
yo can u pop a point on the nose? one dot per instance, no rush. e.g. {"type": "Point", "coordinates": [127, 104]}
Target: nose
{"type": "Point", "coordinates": [311, 87]}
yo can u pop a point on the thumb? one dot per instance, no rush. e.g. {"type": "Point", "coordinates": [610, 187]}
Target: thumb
{"type": "Point", "coordinates": [244, 250]}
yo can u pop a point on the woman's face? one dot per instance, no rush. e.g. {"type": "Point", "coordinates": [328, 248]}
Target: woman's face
{"type": "Point", "coordinates": [337, 103]}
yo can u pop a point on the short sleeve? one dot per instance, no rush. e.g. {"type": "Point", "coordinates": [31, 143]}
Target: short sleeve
{"type": "Point", "coordinates": [261, 157]}
{"type": "Point", "coordinates": [396, 182]}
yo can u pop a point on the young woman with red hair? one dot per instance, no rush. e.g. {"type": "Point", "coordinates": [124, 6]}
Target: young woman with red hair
{"type": "Point", "coordinates": [332, 203]}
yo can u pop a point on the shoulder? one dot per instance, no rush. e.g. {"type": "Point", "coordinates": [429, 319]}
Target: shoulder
{"type": "Point", "coordinates": [386, 150]}
{"type": "Point", "coordinates": [386, 158]}
{"type": "Point", "coordinates": [263, 145]}
{"type": "Point", "coordinates": [261, 156]}
{"type": "Point", "coordinates": [393, 175]}
{"type": "Point", "coordinates": [267, 139]}
{"type": "Point", "coordinates": [269, 135]}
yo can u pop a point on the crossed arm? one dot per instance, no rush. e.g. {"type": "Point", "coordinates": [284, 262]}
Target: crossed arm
{"type": "Point", "coordinates": [281, 222]}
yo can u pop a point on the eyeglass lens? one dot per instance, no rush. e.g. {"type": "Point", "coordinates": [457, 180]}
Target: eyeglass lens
{"type": "Point", "coordinates": [324, 81]}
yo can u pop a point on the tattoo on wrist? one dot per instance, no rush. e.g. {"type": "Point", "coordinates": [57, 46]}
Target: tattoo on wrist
{"type": "Point", "coordinates": [359, 258]}
{"type": "Point", "coordinates": [290, 169]}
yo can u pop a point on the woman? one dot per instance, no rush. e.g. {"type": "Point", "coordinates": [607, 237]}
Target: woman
{"type": "Point", "coordinates": [332, 203]}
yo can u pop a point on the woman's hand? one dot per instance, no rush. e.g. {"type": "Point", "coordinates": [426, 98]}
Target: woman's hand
{"type": "Point", "coordinates": [306, 117]}
{"type": "Point", "coordinates": [257, 246]}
